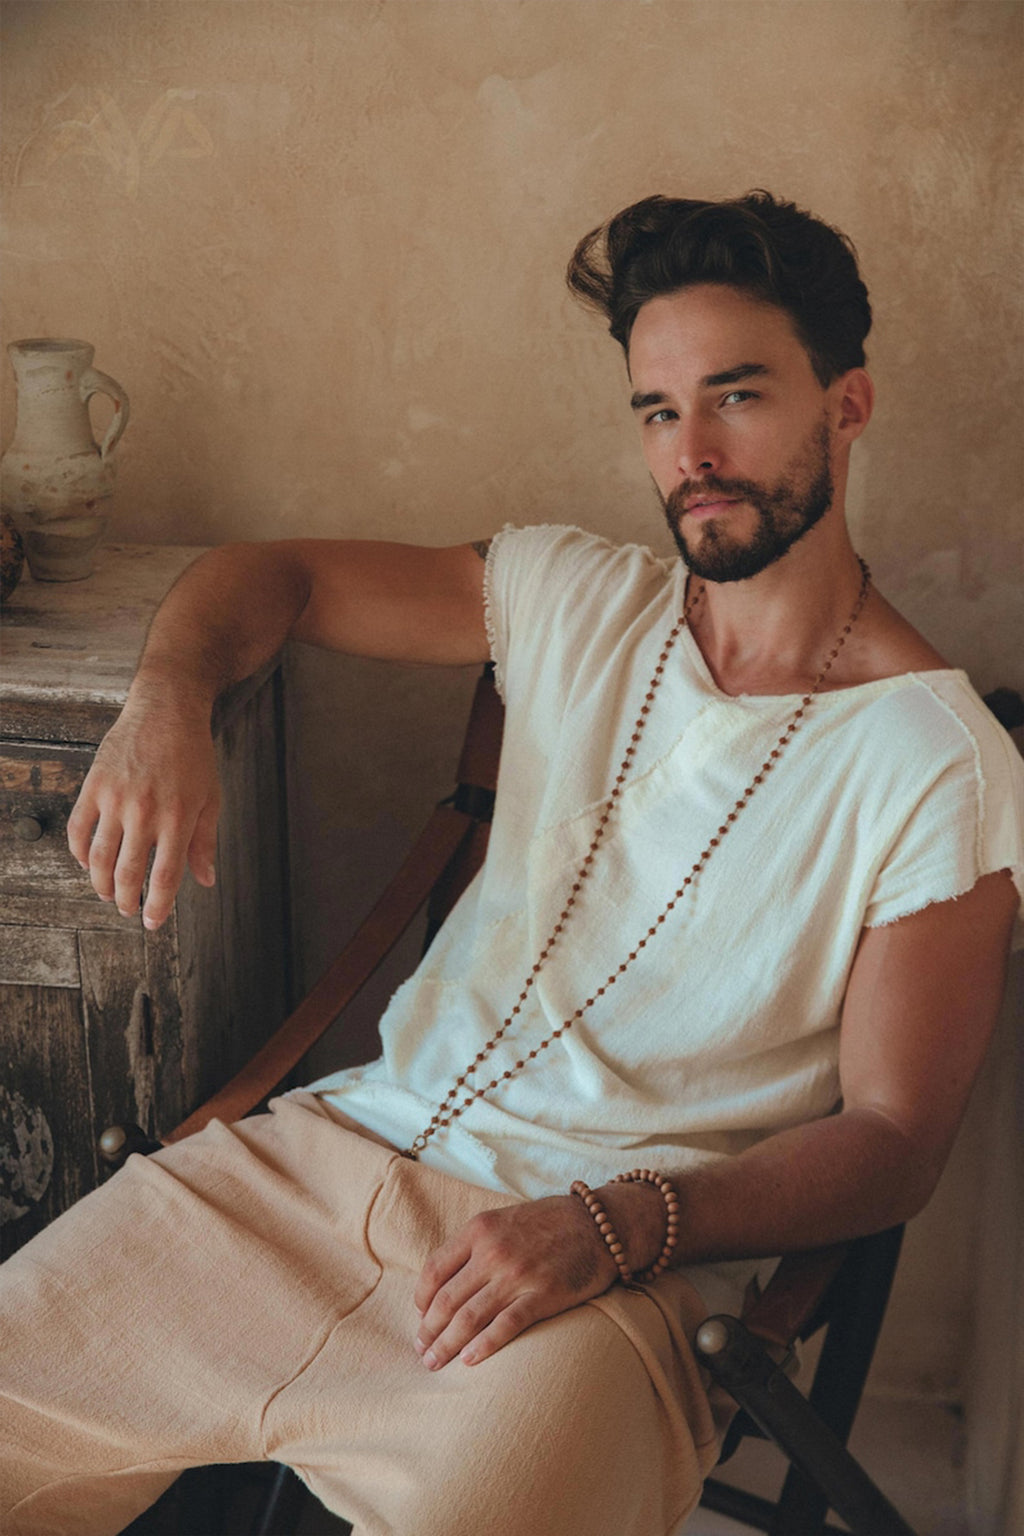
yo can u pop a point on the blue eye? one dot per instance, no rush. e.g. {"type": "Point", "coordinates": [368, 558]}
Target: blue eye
{"type": "Point", "coordinates": [737, 396]}
{"type": "Point", "coordinates": [657, 417]}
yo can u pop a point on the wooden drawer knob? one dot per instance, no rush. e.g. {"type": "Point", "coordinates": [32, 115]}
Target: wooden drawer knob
{"type": "Point", "coordinates": [29, 828]}
{"type": "Point", "coordinates": [117, 1143]}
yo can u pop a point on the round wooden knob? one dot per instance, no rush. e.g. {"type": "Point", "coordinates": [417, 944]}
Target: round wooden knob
{"type": "Point", "coordinates": [712, 1337]}
{"type": "Point", "coordinates": [117, 1143]}
{"type": "Point", "coordinates": [29, 828]}
{"type": "Point", "coordinates": [112, 1142]}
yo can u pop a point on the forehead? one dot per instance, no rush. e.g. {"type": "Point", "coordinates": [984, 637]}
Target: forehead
{"type": "Point", "coordinates": [709, 328]}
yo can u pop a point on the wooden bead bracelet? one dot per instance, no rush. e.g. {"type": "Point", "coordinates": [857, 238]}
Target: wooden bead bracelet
{"type": "Point", "coordinates": [608, 1233]}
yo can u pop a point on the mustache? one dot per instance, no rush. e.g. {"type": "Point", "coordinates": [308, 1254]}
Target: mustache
{"type": "Point", "coordinates": [686, 490]}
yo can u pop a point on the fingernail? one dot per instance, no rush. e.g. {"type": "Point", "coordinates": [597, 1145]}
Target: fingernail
{"type": "Point", "coordinates": [419, 1346]}
{"type": "Point", "coordinates": [150, 923]}
{"type": "Point", "coordinates": [104, 898]}
{"type": "Point", "coordinates": [468, 1355]}
{"type": "Point", "coordinates": [430, 1360]}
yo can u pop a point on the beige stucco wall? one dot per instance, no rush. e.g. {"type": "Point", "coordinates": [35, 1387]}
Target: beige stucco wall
{"type": "Point", "coordinates": [321, 245]}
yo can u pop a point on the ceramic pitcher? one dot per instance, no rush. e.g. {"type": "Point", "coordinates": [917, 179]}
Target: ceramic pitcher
{"type": "Point", "coordinates": [55, 480]}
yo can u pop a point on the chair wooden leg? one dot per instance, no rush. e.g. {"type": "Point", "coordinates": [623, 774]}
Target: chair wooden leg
{"type": "Point", "coordinates": [842, 1371]}
{"type": "Point", "coordinates": [802, 1507]}
{"type": "Point", "coordinates": [737, 1360]}
{"type": "Point", "coordinates": [738, 1504]}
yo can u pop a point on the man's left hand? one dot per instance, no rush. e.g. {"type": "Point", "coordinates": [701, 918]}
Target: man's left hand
{"type": "Point", "coordinates": [505, 1270]}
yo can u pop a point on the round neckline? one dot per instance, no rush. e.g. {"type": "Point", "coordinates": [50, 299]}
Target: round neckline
{"type": "Point", "coordinates": [704, 670]}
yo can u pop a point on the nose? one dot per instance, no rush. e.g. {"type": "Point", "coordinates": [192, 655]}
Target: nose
{"type": "Point", "coordinates": [698, 452]}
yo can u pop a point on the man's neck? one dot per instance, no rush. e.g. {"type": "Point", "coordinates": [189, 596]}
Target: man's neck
{"type": "Point", "coordinates": [772, 633]}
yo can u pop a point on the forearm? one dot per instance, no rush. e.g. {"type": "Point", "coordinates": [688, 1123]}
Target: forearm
{"type": "Point", "coordinates": [919, 1010]}
{"type": "Point", "coordinates": [815, 1184]}
{"type": "Point", "coordinates": [802, 1188]}
{"type": "Point", "coordinates": [230, 612]}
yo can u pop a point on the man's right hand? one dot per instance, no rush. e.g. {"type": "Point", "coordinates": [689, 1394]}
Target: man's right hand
{"type": "Point", "coordinates": [152, 787]}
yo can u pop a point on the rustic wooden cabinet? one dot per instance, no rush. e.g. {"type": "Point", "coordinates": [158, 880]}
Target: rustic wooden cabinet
{"type": "Point", "coordinates": [102, 1022]}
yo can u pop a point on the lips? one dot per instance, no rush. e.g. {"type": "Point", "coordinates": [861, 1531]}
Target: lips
{"type": "Point", "coordinates": [702, 507]}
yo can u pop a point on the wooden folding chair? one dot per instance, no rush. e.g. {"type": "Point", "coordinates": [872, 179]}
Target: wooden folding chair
{"type": "Point", "coordinates": [843, 1289]}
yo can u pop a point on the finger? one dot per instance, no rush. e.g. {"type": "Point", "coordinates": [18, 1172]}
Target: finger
{"type": "Point", "coordinates": [202, 850]}
{"type": "Point", "coordinates": [81, 824]}
{"type": "Point", "coordinates": [130, 869]}
{"type": "Point", "coordinates": [443, 1263]}
{"type": "Point", "coordinates": [165, 878]}
{"type": "Point", "coordinates": [508, 1325]}
{"type": "Point", "coordinates": [447, 1301]}
{"type": "Point", "coordinates": [103, 853]}
{"type": "Point", "coordinates": [468, 1323]}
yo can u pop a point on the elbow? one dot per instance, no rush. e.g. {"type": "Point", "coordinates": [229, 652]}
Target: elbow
{"type": "Point", "coordinates": [267, 568]}
{"type": "Point", "coordinates": [908, 1163]}
{"type": "Point", "coordinates": [912, 1188]}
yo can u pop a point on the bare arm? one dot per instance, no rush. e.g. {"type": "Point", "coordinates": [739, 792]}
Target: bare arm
{"type": "Point", "coordinates": [921, 1003]}
{"type": "Point", "coordinates": [154, 783]}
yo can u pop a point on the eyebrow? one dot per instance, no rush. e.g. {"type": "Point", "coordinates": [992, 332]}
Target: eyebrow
{"type": "Point", "coordinates": [640, 402]}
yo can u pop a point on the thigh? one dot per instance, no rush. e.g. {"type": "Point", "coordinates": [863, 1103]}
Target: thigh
{"type": "Point", "coordinates": [595, 1421]}
{"type": "Point", "coordinates": [562, 1433]}
{"type": "Point", "coordinates": [147, 1329]}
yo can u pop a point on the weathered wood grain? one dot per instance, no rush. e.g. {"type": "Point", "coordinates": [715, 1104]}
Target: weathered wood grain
{"type": "Point", "coordinates": [133, 1027]}
{"type": "Point", "coordinates": [38, 957]}
{"type": "Point", "coordinates": [71, 648]}
{"type": "Point", "coordinates": [39, 784]}
{"type": "Point", "coordinates": [27, 776]}
{"type": "Point", "coordinates": [101, 1022]}
{"type": "Point", "coordinates": [62, 908]}
{"type": "Point", "coordinates": [43, 1061]}
{"type": "Point", "coordinates": [235, 986]}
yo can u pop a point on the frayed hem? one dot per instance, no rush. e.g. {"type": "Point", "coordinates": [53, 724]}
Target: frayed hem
{"type": "Point", "coordinates": [489, 625]}
{"type": "Point", "coordinates": [1016, 873]}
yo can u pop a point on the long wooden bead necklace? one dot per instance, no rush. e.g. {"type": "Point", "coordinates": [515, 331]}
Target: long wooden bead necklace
{"type": "Point", "coordinates": [448, 1110]}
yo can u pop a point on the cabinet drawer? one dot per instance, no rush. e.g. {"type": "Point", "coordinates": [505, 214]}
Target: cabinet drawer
{"type": "Point", "coordinates": [38, 788]}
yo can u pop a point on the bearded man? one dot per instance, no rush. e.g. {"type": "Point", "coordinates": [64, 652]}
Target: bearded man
{"type": "Point", "coordinates": [743, 922]}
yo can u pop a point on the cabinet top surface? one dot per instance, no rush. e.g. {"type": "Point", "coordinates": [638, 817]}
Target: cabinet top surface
{"type": "Point", "coordinates": [75, 643]}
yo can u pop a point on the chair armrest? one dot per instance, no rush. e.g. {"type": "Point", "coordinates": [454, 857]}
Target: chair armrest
{"type": "Point", "coordinates": [787, 1307]}
{"type": "Point", "coordinates": [738, 1362]}
{"type": "Point", "coordinates": [440, 839]}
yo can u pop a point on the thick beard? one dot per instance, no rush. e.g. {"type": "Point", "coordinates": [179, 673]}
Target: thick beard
{"type": "Point", "coordinates": [784, 515]}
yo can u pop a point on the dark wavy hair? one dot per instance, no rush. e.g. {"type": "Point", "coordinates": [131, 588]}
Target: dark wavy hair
{"type": "Point", "coordinates": [770, 249]}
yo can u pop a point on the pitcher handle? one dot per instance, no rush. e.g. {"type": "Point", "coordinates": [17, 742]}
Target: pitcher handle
{"type": "Point", "coordinates": [96, 383]}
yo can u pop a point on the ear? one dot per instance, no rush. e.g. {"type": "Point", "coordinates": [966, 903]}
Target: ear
{"type": "Point", "coordinates": [853, 402]}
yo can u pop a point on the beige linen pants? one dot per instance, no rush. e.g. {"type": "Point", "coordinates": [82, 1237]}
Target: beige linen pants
{"type": "Point", "coordinates": [247, 1294]}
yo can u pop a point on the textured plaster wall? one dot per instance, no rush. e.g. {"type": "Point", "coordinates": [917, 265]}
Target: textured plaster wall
{"type": "Point", "coordinates": [321, 245]}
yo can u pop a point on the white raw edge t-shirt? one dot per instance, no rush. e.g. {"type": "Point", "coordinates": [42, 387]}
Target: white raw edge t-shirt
{"type": "Point", "coordinates": [891, 795]}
